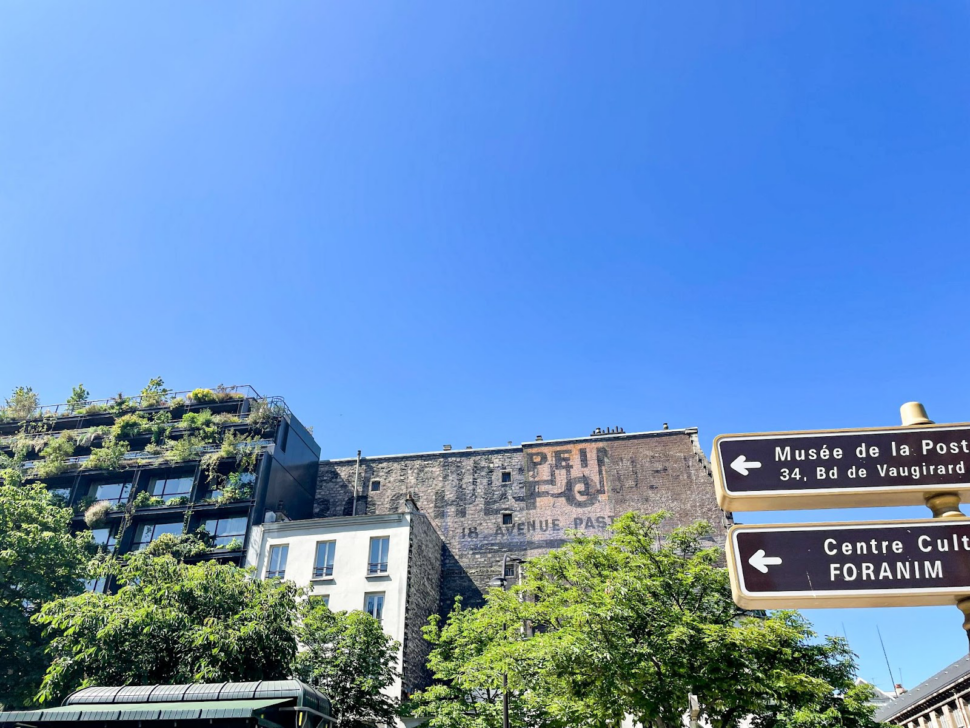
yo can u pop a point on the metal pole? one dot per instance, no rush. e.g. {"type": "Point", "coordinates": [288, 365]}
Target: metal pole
{"type": "Point", "coordinates": [943, 505]}
{"type": "Point", "coordinates": [353, 510]}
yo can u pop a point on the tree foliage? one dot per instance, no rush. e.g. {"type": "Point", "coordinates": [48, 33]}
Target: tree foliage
{"type": "Point", "coordinates": [632, 624]}
{"type": "Point", "coordinates": [39, 561]}
{"type": "Point", "coordinates": [171, 622]}
{"type": "Point", "coordinates": [350, 659]}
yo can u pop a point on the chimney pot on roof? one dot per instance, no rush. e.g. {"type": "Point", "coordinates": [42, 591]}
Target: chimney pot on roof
{"type": "Point", "coordinates": [468, 447]}
{"type": "Point", "coordinates": [665, 426]}
{"type": "Point", "coordinates": [447, 447]}
{"type": "Point", "coordinates": [538, 438]}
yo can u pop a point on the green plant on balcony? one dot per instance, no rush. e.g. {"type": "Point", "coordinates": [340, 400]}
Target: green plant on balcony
{"type": "Point", "coordinates": [183, 449]}
{"type": "Point", "coordinates": [203, 396]}
{"type": "Point", "coordinates": [78, 399]}
{"type": "Point", "coordinates": [120, 404]}
{"type": "Point", "coordinates": [160, 426]}
{"type": "Point", "coordinates": [176, 403]}
{"type": "Point", "coordinates": [234, 545]}
{"type": "Point", "coordinates": [146, 500]}
{"type": "Point", "coordinates": [223, 394]}
{"type": "Point", "coordinates": [128, 427]}
{"type": "Point", "coordinates": [179, 500]}
{"type": "Point", "coordinates": [154, 393]}
{"type": "Point", "coordinates": [226, 418]}
{"type": "Point", "coordinates": [55, 455]}
{"type": "Point", "coordinates": [196, 420]}
{"type": "Point", "coordinates": [94, 409]}
{"type": "Point", "coordinates": [184, 546]}
{"type": "Point", "coordinates": [108, 457]}
{"type": "Point", "coordinates": [96, 513]}
{"type": "Point", "coordinates": [23, 403]}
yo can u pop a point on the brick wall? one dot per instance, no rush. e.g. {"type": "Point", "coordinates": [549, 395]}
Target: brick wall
{"type": "Point", "coordinates": [547, 488]}
{"type": "Point", "coordinates": [424, 581]}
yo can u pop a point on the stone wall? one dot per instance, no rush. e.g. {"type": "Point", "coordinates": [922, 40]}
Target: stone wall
{"type": "Point", "coordinates": [424, 584]}
{"type": "Point", "coordinates": [543, 488]}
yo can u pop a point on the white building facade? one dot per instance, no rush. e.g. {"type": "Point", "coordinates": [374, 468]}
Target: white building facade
{"type": "Point", "coordinates": [387, 565]}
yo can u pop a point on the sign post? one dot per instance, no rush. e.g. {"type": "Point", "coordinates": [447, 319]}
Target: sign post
{"type": "Point", "coordinates": [864, 564]}
{"type": "Point", "coordinates": [896, 466]}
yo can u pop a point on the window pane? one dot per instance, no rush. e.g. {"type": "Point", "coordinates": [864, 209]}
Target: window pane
{"type": "Point", "coordinates": [277, 561]}
{"type": "Point", "coordinates": [374, 605]}
{"type": "Point", "coordinates": [148, 532]}
{"type": "Point", "coordinates": [378, 555]}
{"type": "Point", "coordinates": [323, 563]}
{"type": "Point", "coordinates": [224, 530]}
{"type": "Point", "coordinates": [169, 488]}
{"type": "Point", "coordinates": [116, 492]}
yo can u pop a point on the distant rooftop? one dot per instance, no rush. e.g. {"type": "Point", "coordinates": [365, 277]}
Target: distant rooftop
{"type": "Point", "coordinates": [938, 685]}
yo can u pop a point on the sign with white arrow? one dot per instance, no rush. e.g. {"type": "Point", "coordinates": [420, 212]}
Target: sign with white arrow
{"type": "Point", "coordinates": [868, 564]}
{"type": "Point", "coordinates": [893, 466]}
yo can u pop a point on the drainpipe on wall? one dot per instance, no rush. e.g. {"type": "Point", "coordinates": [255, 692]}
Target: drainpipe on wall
{"type": "Point", "coordinates": [353, 511]}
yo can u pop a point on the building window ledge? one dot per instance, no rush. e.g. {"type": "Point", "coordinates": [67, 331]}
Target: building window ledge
{"type": "Point", "coordinates": [323, 580]}
{"type": "Point", "coordinates": [379, 577]}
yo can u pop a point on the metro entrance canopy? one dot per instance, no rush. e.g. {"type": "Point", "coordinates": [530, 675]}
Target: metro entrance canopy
{"type": "Point", "coordinates": [268, 704]}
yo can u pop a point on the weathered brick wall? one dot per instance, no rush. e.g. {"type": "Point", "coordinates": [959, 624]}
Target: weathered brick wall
{"type": "Point", "coordinates": [554, 486]}
{"type": "Point", "coordinates": [424, 583]}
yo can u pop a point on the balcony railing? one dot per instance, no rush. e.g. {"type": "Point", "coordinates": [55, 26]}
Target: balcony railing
{"type": "Point", "coordinates": [233, 392]}
{"type": "Point", "coordinates": [146, 458]}
{"type": "Point", "coordinates": [377, 567]}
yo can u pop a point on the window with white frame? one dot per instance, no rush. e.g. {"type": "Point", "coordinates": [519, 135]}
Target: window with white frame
{"type": "Point", "coordinates": [374, 605]}
{"type": "Point", "coordinates": [377, 563]}
{"type": "Point", "coordinates": [323, 563]}
{"type": "Point", "coordinates": [276, 565]}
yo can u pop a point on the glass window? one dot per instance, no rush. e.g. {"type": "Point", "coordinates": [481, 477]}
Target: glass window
{"type": "Point", "coordinates": [374, 605]}
{"type": "Point", "coordinates": [60, 496]}
{"type": "Point", "coordinates": [105, 538]}
{"type": "Point", "coordinates": [378, 555]}
{"type": "Point", "coordinates": [506, 519]}
{"type": "Point", "coordinates": [148, 532]}
{"type": "Point", "coordinates": [318, 599]}
{"type": "Point", "coordinates": [506, 476]}
{"type": "Point", "coordinates": [95, 585]}
{"type": "Point", "coordinates": [375, 485]}
{"type": "Point", "coordinates": [277, 561]}
{"type": "Point", "coordinates": [224, 530]}
{"type": "Point", "coordinates": [115, 492]}
{"type": "Point", "coordinates": [244, 480]}
{"type": "Point", "coordinates": [169, 488]}
{"type": "Point", "coordinates": [323, 564]}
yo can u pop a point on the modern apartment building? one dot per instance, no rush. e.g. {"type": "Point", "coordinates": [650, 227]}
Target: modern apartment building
{"type": "Point", "coordinates": [388, 565]}
{"type": "Point", "coordinates": [134, 468]}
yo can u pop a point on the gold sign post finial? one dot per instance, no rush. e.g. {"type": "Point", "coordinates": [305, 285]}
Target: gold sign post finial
{"type": "Point", "coordinates": [914, 414]}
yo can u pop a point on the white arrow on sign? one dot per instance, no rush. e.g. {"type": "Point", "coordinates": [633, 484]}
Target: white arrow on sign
{"type": "Point", "coordinates": [761, 562]}
{"type": "Point", "coordinates": [742, 465]}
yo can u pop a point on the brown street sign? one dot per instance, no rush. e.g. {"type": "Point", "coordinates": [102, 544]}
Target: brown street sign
{"type": "Point", "coordinates": [875, 564]}
{"type": "Point", "coordinates": [892, 466]}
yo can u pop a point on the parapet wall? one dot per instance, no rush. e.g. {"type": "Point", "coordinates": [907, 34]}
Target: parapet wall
{"type": "Point", "coordinates": [545, 488]}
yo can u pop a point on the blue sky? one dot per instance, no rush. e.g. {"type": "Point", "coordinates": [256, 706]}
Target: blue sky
{"type": "Point", "coordinates": [431, 223]}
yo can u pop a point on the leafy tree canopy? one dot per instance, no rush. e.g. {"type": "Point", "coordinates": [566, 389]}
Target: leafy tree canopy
{"type": "Point", "coordinates": [171, 622]}
{"type": "Point", "coordinates": [350, 659]}
{"type": "Point", "coordinates": [632, 624]}
{"type": "Point", "coordinates": [39, 561]}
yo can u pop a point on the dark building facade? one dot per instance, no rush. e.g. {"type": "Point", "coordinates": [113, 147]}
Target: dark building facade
{"type": "Point", "coordinates": [223, 460]}
{"type": "Point", "coordinates": [522, 500]}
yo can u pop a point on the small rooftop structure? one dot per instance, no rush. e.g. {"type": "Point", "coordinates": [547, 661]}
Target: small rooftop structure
{"type": "Point", "coordinates": [281, 703]}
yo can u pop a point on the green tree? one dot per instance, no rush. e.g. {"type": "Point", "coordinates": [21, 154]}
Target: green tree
{"type": "Point", "coordinates": [474, 652]}
{"type": "Point", "coordinates": [171, 622]}
{"type": "Point", "coordinates": [632, 624]}
{"type": "Point", "coordinates": [350, 659]}
{"type": "Point", "coordinates": [22, 403]}
{"type": "Point", "coordinates": [39, 561]}
{"type": "Point", "coordinates": [78, 399]}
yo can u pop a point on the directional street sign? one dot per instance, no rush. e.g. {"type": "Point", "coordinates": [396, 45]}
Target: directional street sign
{"type": "Point", "coordinates": [874, 564]}
{"type": "Point", "coordinates": [893, 466]}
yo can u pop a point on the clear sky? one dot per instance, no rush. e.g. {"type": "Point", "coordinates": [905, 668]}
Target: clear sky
{"type": "Point", "coordinates": [468, 223]}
